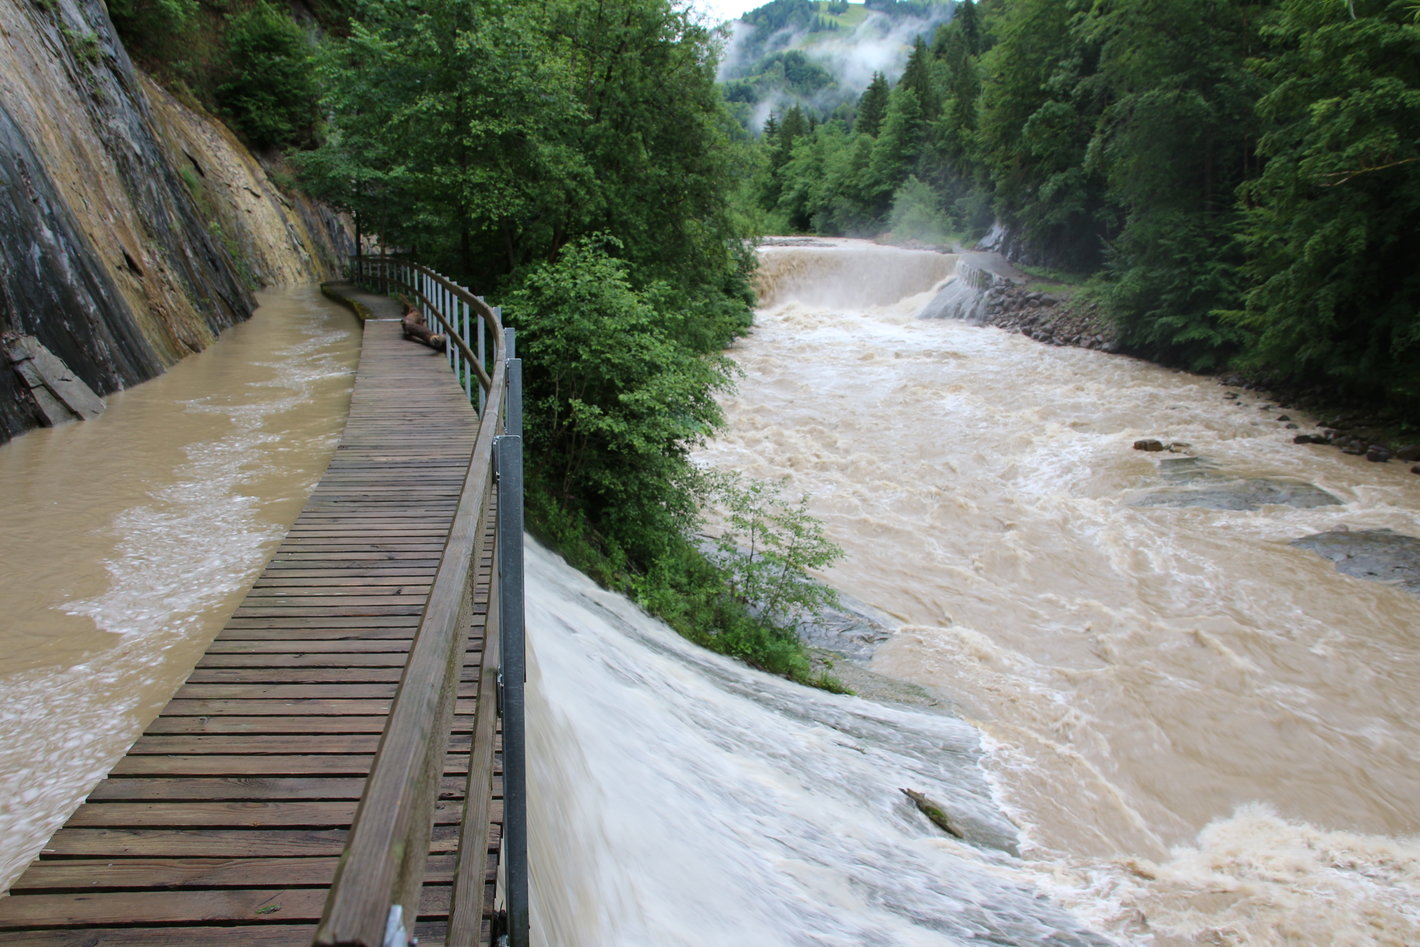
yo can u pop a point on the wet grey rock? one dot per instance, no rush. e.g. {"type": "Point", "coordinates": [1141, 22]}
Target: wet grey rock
{"type": "Point", "coordinates": [1411, 453]}
{"type": "Point", "coordinates": [1195, 482]}
{"type": "Point", "coordinates": [56, 282]}
{"type": "Point", "coordinates": [854, 630]}
{"type": "Point", "coordinates": [1148, 444]}
{"type": "Point", "coordinates": [1377, 455]}
{"type": "Point", "coordinates": [1380, 555]}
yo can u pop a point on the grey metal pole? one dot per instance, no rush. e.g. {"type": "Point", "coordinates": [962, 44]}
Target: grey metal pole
{"type": "Point", "coordinates": [513, 408]}
{"type": "Point", "coordinates": [509, 449]}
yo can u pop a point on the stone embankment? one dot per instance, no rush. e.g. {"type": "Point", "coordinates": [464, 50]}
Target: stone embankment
{"type": "Point", "coordinates": [1047, 318]}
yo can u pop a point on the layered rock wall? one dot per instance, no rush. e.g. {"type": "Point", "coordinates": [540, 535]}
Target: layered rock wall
{"type": "Point", "coordinates": [132, 228]}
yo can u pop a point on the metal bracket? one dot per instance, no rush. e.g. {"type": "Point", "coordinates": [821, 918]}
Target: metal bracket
{"type": "Point", "coordinates": [395, 933]}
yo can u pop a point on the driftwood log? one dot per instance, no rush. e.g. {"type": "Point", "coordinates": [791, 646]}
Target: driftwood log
{"type": "Point", "coordinates": [414, 327]}
{"type": "Point", "coordinates": [934, 813]}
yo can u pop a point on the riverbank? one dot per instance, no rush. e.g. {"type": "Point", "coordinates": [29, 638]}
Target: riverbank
{"type": "Point", "coordinates": [1013, 303]}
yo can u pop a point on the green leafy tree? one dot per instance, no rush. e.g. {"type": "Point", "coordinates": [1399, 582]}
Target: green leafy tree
{"type": "Point", "coordinates": [1040, 102]}
{"type": "Point", "coordinates": [1173, 144]}
{"type": "Point", "coordinates": [614, 402]}
{"type": "Point", "coordinates": [918, 75]}
{"type": "Point", "coordinates": [897, 149]}
{"type": "Point", "coordinates": [916, 214]}
{"type": "Point", "coordinates": [1333, 222]}
{"type": "Point", "coordinates": [766, 547]}
{"type": "Point", "coordinates": [503, 131]}
{"type": "Point", "coordinates": [269, 92]}
{"type": "Point", "coordinates": [872, 106]}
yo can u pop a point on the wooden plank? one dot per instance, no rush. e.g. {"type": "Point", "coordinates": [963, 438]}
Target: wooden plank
{"type": "Point", "coordinates": [224, 764]}
{"type": "Point", "coordinates": [244, 814]}
{"type": "Point", "coordinates": [347, 625]}
{"type": "Point", "coordinates": [313, 706]}
{"type": "Point", "coordinates": [138, 788]}
{"type": "Point", "coordinates": [80, 874]}
{"type": "Point", "coordinates": [220, 764]}
{"type": "Point", "coordinates": [297, 657]}
{"type": "Point", "coordinates": [268, 724]}
{"type": "Point", "coordinates": [347, 646]}
{"type": "Point", "coordinates": [296, 674]}
{"type": "Point", "coordinates": [256, 935]}
{"type": "Point", "coordinates": [221, 905]}
{"type": "Point", "coordinates": [285, 691]}
{"type": "Point", "coordinates": [269, 933]}
{"type": "Point", "coordinates": [266, 743]}
{"type": "Point", "coordinates": [210, 843]}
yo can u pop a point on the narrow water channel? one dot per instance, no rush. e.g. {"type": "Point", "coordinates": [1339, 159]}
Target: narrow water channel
{"type": "Point", "coordinates": [127, 540]}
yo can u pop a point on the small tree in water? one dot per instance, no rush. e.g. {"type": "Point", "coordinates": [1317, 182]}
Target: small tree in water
{"type": "Point", "coordinates": [765, 549]}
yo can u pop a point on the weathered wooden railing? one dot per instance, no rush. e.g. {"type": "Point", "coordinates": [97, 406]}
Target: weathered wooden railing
{"type": "Point", "coordinates": [374, 900]}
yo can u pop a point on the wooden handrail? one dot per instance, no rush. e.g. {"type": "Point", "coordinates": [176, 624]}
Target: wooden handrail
{"type": "Point", "coordinates": [374, 898]}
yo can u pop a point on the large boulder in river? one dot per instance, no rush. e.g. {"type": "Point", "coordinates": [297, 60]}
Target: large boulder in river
{"type": "Point", "coordinates": [1199, 483]}
{"type": "Point", "coordinates": [1376, 554]}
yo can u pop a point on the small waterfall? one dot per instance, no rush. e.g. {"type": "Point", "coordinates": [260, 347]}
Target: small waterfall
{"type": "Point", "coordinates": [963, 298]}
{"type": "Point", "coordinates": [678, 799]}
{"type": "Point", "coordinates": [815, 271]}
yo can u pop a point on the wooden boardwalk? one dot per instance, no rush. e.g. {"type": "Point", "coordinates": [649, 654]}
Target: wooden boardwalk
{"type": "Point", "coordinates": [224, 823]}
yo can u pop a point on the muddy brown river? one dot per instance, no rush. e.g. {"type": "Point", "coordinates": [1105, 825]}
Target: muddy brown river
{"type": "Point", "coordinates": [127, 540]}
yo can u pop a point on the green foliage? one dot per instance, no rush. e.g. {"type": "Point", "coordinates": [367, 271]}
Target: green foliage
{"type": "Point", "coordinates": [765, 549]}
{"type": "Point", "coordinates": [1039, 108]}
{"type": "Point", "coordinates": [1333, 222]}
{"type": "Point", "coordinates": [915, 214]}
{"type": "Point", "coordinates": [614, 401]}
{"type": "Point", "coordinates": [153, 28]}
{"type": "Point", "coordinates": [788, 73]}
{"type": "Point", "coordinates": [613, 405]}
{"type": "Point", "coordinates": [487, 139]}
{"type": "Point", "coordinates": [269, 91]}
{"type": "Point", "coordinates": [1164, 279]}
{"type": "Point", "coordinates": [872, 106]}
{"type": "Point", "coordinates": [1173, 145]}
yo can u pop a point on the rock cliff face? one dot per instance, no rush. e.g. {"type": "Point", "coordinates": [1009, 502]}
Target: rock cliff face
{"type": "Point", "coordinates": [132, 228]}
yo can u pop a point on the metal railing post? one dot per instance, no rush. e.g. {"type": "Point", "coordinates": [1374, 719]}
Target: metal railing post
{"type": "Point", "coordinates": [509, 451]}
{"type": "Point", "coordinates": [513, 408]}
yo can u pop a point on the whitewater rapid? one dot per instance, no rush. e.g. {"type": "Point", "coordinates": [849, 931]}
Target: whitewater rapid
{"type": "Point", "coordinates": [1205, 733]}
{"type": "Point", "coordinates": [680, 799]}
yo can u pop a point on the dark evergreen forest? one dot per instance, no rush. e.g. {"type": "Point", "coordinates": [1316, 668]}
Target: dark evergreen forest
{"type": "Point", "coordinates": [1238, 179]}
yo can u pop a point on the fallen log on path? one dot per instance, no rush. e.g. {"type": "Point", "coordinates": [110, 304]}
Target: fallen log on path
{"type": "Point", "coordinates": [414, 327]}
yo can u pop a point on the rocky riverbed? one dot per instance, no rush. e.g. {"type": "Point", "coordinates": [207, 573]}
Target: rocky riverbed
{"type": "Point", "coordinates": [1056, 320]}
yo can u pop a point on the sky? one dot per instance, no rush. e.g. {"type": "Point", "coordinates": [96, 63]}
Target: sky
{"type": "Point", "coordinates": [720, 10]}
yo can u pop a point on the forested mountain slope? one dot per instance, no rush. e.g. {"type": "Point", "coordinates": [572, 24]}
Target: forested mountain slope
{"type": "Point", "coordinates": [1241, 180]}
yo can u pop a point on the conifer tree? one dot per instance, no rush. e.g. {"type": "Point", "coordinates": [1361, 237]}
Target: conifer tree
{"type": "Point", "coordinates": [872, 106]}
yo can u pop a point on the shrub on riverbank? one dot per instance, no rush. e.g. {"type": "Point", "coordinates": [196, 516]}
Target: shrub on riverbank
{"type": "Point", "coordinates": [615, 400]}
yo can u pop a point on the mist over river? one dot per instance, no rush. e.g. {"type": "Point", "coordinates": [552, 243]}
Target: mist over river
{"type": "Point", "coordinates": [1204, 732]}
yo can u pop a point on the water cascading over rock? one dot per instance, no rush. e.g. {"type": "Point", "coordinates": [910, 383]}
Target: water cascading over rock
{"type": "Point", "coordinates": [963, 298]}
